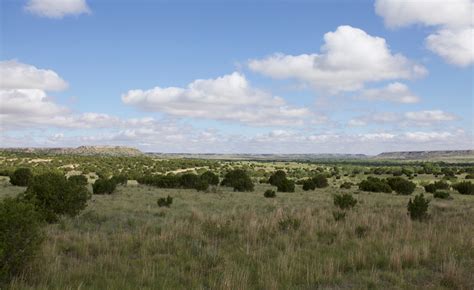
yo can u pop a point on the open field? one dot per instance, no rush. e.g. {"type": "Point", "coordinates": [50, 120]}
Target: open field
{"type": "Point", "coordinates": [221, 239]}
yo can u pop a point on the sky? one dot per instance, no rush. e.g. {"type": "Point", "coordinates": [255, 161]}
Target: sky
{"type": "Point", "coordinates": [238, 76]}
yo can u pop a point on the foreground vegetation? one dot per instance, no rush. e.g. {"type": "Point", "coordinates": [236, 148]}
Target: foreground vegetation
{"type": "Point", "coordinates": [309, 226]}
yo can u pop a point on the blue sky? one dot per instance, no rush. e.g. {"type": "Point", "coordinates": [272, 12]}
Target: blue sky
{"type": "Point", "coordinates": [279, 77]}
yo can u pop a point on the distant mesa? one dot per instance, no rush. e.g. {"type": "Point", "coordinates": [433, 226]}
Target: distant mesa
{"type": "Point", "coordinates": [81, 150]}
{"type": "Point", "coordinates": [420, 155]}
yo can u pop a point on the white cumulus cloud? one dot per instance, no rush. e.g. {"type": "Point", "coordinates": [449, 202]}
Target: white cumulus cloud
{"type": "Point", "coordinates": [453, 21]}
{"type": "Point", "coordinates": [393, 92]}
{"type": "Point", "coordinates": [57, 8]}
{"type": "Point", "coordinates": [227, 98]}
{"type": "Point", "coordinates": [349, 58]}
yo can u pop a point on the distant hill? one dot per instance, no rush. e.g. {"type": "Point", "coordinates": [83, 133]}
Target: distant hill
{"type": "Point", "coordinates": [81, 150]}
{"type": "Point", "coordinates": [263, 157]}
{"type": "Point", "coordinates": [428, 155]}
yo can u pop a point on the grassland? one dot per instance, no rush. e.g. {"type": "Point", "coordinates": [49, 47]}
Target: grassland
{"type": "Point", "coordinates": [240, 240]}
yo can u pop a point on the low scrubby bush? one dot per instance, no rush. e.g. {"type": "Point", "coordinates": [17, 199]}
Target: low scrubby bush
{"type": "Point", "coordinates": [374, 184]}
{"type": "Point", "coordinates": [344, 201]}
{"type": "Point", "coordinates": [465, 187]}
{"type": "Point", "coordinates": [78, 179]}
{"type": "Point", "coordinates": [277, 178]}
{"type": "Point", "coordinates": [441, 194]}
{"type": "Point", "coordinates": [20, 237]}
{"type": "Point", "coordinates": [433, 187]}
{"type": "Point", "coordinates": [104, 186]}
{"type": "Point", "coordinates": [239, 180]}
{"type": "Point", "coordinates": [346, 185]}
{"type": "Point", "coordinates": [53, 195]}
{"type": "Point", "coordinates": [201, 185]}
{"type": "Point", "coordinates": [418, 207]}
{"type": "Point", "coordinates": [269, 193]}
{"type": "Point", "coordinates": [287, 185]}
{"type": "Point", "coordinates": [210, 177]}
{"type": "Point", "coordinates": [320, 181]}
{"type": "Point", "coordinates": [165, 201]}
{"type": "Point", "coordinates": [289, 223]}
{"type": "Point", "coordinates": [401, 185]}
{"type": "Point", "coordinates": [308, 184]}
{"type": "Point", "coordinates": [21, 177]}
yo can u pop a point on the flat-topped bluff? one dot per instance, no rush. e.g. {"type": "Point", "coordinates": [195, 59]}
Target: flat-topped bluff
{"type": "Point", "coordinates": [81, 150]}
{"type": "Point", "coordinates": [427, 154]}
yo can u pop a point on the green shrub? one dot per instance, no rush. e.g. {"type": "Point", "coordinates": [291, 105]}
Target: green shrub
{"type": "Point", "coordinates": [239, 180]}
{"type": "Point", "coordinates": [201, 185]}
{"type": "Point", "coordinates": [165, 201]}
{"type": "Point", "coordinates": [269, 193]}
{"type": "Point", "coordinates": [78, 179]}
{"type": "Point", "coordinates": [277, 178]}
{"type": "Point", "coordinates": [287, 185]}
{"type": "Point", "coordinates": [374, 184]}
{"type": "Point", "coordinates": [401, 185]}
{"type": "Point", "coordinates": [104, 186]}
{"type": "Point", "coordinates": [189, 180]}
{"type": "Point", "coordinates": [346, 185]}
{"type": "Point", "coordinates": [53, 195]}
{"type": "Point", "coordinates": [20, 236]}
{"type": "Point", "coordinates": [470, 176]}
{"type": "Point", "coordinates": [308, 184]}
{"type": "Point", "coordinates": [344, 201]}
{"type": "Point", "coordinates": [431, 188]}
{"type": "Point", "coordinates": [441, 194]}
{"type": "Point", "coordinates": [21, 177]}
{"type": "Point", "coordinates": [320, 181]}
{"type": "Point", "coordinates": [418, 208]}
{"type": "Point", "coordinates": [210, 177]}
{"type": "Point", "coordinates": [465, 187]}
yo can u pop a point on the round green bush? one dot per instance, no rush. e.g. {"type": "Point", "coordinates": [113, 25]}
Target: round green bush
{"type": "Point", "coordinates": [104, 186]}
{"type": "Point", "coordinates": [465, 187]}
{"type": "Point", "coordinates": [286, 185]}
{"type": "Point", "coordinates": [238, 179]}
{"type": "Point", "coordinates": [269, 193]}
{"type": "Point", "coordinates": [21, 177]}
{"type": "Point", "coordinates": [20, 236]}
{"type": "Point", "coordinates": [441, 194]}
{"type": "Point", "coordinates": [53, 195]}
{"type": "Point", "coordinates": [308, 184]}
{"type": "Point", "coordinates": [401, 185]}
{"type": "Point", "coordinates": [374, 184]}
{"type": "Point", "coordinates": [418, 208]}
{"type": "Point", "coordinates": [210, 177]}
{"type": "Point", "coordinates": [78, 179]}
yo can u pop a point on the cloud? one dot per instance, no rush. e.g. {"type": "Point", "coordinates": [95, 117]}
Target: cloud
{"type": "Point", "coordinates": [453, 21]}
{"type": "Point", "coordinates": [226, 98]}
{"type": "Point", "coordinates": [57, 8]}
{"type": "Point", "coordinates": [417, 118]}
{"type": "Point", "coordinates": [394, 92]}
{"type": "Point", "coordinates": [349, 58]}
{"type": "Point", "coordinates": [17, 75]}
{"type": "Point", "coordinates": [428, 117]}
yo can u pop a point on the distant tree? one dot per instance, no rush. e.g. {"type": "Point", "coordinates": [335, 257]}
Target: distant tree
{"type": "Point", "coordinates": [269, 193]}
{"type": "Point", "coordinates": [401, 185]}
{"type": "Point", "coordinates": [189, 180]}
{"type": "Point", "coordinates": [344, 201]}
{"type": "Point", "coordinates": [286, 185]}
{"type": "Point", "coordinates": [308, 184]}
{"type": "Point", "coordinates": [277, 177]}
{"type": "Point", "coordinates": [201, 185]}
{"type": "Point", "coordinates": [320, 181]}
{"type": "Point", "coordinates": [238, 179]}
{"type": "Point", "coordinates": [374, 184]}
{"type": "Point", "coordinates": [21, 177]}
{"type": "Point", "coordinates": [210, 177]}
